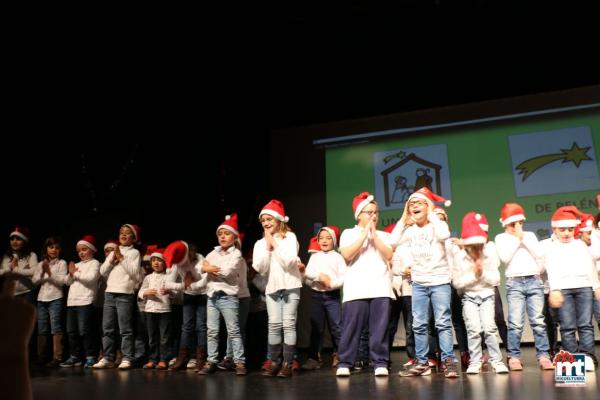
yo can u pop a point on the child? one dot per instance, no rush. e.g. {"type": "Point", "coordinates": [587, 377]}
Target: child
{"type": "Point", "coordinates": [573, 280]}
{"type": "Point", "coordinates": [519, 251]}
{"type": "Point", "coordinates": [276, 255]}
{"type": "Point", "coordinates": [325, 276]}
{"type": "Point", "coordinates": [475, 273]}
{"type": "Point", "coordinates": [421, 234]}
{"type": "Point", "coordinates": [51, 274]}
{"type": "Point", "coordinates": [157, 312]}
{"type": "Point", "coordinates": [367, 287]}
{"type": "Point", "coordinates": [83, 282]}
{"type": "Point", "coordinates": [122, 272]}
{"type": "Point", "coordinates": [21, 263]}
{"type": "Point", "coordinates": [222, 266]}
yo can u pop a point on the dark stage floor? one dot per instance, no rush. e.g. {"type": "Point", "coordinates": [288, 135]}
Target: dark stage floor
{"type": "Point", "coordinates": [531, 384]}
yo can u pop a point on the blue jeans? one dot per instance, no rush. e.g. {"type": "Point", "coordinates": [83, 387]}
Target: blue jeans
{"type": "Point", "coordinates": [575, 315]}
{"type": "Point", "coordinates": [282, 308]}
{"type": "Point", "coordinates": [159, 336]}
{"type": "Point", "coordinates": [526, 293]}
{"type": "Point", "coordinates": [244, 309]}
{"type": "Point", "coordinates": [479, 317]}
{"type": "Point", "coordinates": [118, 312]}
{"type": "Point", "coordinates": [597, 311]}
{"type": "Point", "coordinates": [440, 298]}
{"type": "Point", "coordinates": [50, 317]}
{"type": "Point", "coordinates": [193, 330]}
{"type": "Point", "coordinates": [324, 304]}
{"type": "Point", "coordinates": [79, 329]}
{"type": "Point", "coordinates": [226, 305]}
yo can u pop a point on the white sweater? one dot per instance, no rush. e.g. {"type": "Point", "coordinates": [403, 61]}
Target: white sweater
{"type": "Point", "coordinates": [126, 275]}
{"type": "Point", "coordinates": [83, 283]}
{"type": "Point", "coordinates": [51, 286]}
{"type": "Point", "coordinates": [570, 266]}
{"type": "Point", "coordinates": [520, 256]}
{"type": "Point", "coordinates": [230, 263]}
{"type": "Point", "coordinates": [26, 267]}
{"type": "Point", "coordinates": [463, 275]}
{"type": "Point", "coordinates": [280, 264]}
{"type": "Point", "coordinates": [424, 247]}
{"type": "Point", "coordinates": [368, 276]}
{"type": "Point", "coordinates": [330, 263]}
{"type": "Point", "coordinates": [161, 303]}
{"type": "Point", "coordinates": [177, 273]}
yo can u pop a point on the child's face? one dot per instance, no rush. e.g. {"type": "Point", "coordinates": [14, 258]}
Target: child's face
{"type": "Point", "coordinates": [226, 238]}
{"type": "Point", "coordinates": [108, 250]}
{"type": "Point", "coordinates": [418, 210]}
{"type": "Point", "coordinates": [53, 251]}
{"type": "Point", "coordinates": [586, 236]}
{"type": "Point", "coordinates": [442, 216]}
{"type": "Point", "coordinates": [269, 223]}
{"type": "Point", "coordinates": [475, 251]}
{"type": "Point", "coordinates": [84, 252]}
{"type": "Point", "coordinates": [16, 243]}
{"type": "Point", "coordinates": [367, 214]}
{"type": "Point", "coordinates": [564, 235]}
{"type": "Point", "coordinates": [126, 236]}
{"type": "Point", "coordinates": [325, 240]}
{"type": "Point", "coordinates": [158, 265]}
{"type": "Point", "coordinates": [513, 227]}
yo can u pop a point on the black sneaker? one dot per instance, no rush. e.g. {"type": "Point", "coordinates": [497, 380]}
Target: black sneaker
{"type": "Point", "coordinates": [451, 369]}
{"type": "Point", "coordinates": [226, 364]}
{"type": "Point", "coordinates": [208, 368]}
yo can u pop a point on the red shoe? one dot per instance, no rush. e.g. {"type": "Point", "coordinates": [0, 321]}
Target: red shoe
{"type": "Point", "coordinates": [295, 365]}
{"type": "Point", "coordinates": [433, 364]}
{"type": "Point", "coordinates": [266, 365]}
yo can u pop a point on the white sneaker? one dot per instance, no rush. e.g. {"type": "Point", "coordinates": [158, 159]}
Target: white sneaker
{"type": "Point", "coordinates": [172, 361]}
{"type": "Point", "coordinates": [381, 371]}
{"type": "Point", "coordinates": [103, 364]}
{"type": "Point", "coordinates": [500, 368]}
{"type": "Point", "coordinates": [342, 372]}
{"type": "Point", "coordinates": [125, 364]}
{"type": "Point", "coordinates": [191, 364]}
{"type": "Point", "coordinates": [589, 364]}
{"type": "Point", "coordinates": [474, 368]}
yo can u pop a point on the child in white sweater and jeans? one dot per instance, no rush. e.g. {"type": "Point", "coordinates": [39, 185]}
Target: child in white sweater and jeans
{"type": "Point", "coordinates": [475, 273]}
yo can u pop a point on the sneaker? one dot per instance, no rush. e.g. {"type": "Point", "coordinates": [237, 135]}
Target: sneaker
{"type": "Point", "coordinates": [125, 364]}
{"type": "Point", "coordinates": [172, 361]}
{"type": "Point", "coordinates": [417, 370]}
{"type": "Point", "coordinates": [103, 364]}
{"type": "Point", "coordinates": [89, 362]}
{"type": "Point", "coordinates": [286, 370]}
{"type": "Point", "coordinates": [192, 364]}
{"type": "Point", "coordinates": [433, 363]}
{"type": "Point", "coordinates": [342, 371]}
{"type": "Point", "coordinates": [54, 363]}
{"type": "Point", "coordinates": [499, 367]}
{"type": "Point", "coordinates": [360, 365]}
{"type": "Point", "coordinates": [149, 365]}
{"type": "Point", "coordinates": [208, 368]}
{"type": "Point", "coordinates": [240, 369]}
{"type": "Point", "coordinates": [295, 365]}
{"type": "Point", "coordinates": [474, 368]}
{"type": "Point", "coordinates": [589, 364]}
{"type": "Point", "coordinates": [409, 363]}
{"type": "Point", "coordinates": [71, 362]}
{"type": "Point", "coordinates": [266, 365]}
{"type": "Point", "coordinates": [451, 370]}
{"type": "Point", "coordinates": [334, 360]}
{"type": "Point", "coordinates": [381, 371]}
{"type": "Point", "coordinates": [310, 365]}
{"type": "Point", "coordinates": [545, 363]}
{"type": "Point", "coordinates": [514, 364]}
{"type": "Point", "coordinates": [162, 365]}
{"type": "Point", "coordinates": [226, 364]}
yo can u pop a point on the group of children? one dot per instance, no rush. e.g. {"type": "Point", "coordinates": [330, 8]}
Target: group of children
{"type": "Point", "coordinates": [354, 281]}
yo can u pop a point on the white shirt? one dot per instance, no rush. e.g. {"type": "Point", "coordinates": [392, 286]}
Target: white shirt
{"type": "Point", "coordinates": [463, 275]}
{"type": "Point", "coordinates": [280, 264]}
{"type": "Point", "coordinates": [24, 271]}
{"type": "Point", "coordinates": [84, 283]}
{"type": "Point", "coordinates": [230, 262]}
{"type": "Point", "coordinates": [520, 256]}
{"type": "Point", "coordinates": [51, 286]}
{"type": "Point", "coordinates": [125, 276]}
{"type": "Point", "coordinates": [570, 265]}
{"type": "Point", "coordinates": [330, 263]}
{"type": "Point", "coordinates": [161, 303]}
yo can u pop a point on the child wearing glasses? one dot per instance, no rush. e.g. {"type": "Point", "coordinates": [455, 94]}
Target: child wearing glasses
{"type": "Point", "coordinates": [519, 251]}
{"type": "Point", "coordinates": [367, 288]}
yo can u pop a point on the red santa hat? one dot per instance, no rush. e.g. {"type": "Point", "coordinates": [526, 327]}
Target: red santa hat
{"type": "Point", "coordinates": [111, 244]}
{"type": "Point", "coordinates": [231, 224]}
{"type": "Point", "coordinates": [472, 233]}
{"type": "Point", "coordinates": [175, 253]}
{"type": "Point", "coordinates": [586, 224]}
{"type": "Point", "coordinates": [158, 253]}
{"type": "Point", "coordinates": [313, 245]}
{"type": "Point", "coordinates": [566, 217]}
{"type": "Point", "coordinates": [389, 228]}
{"type": "Point", "coordinates": [151, 248]}
{"type": "Point", "coordinates": [483, 222]}
{"type": "Point", "coordinates": [334, 231]}
{"type": "Point", "coordinates": [88, 241]}
{"type": "Point", "coordinates": [22, 232]}
{"type": "Point", "coordinates": [275, 209]}
{"type": "Point", "coordinates": [136, 231]}
{"type": "Point", "coordinates": [426, 194]}
{"type": "Point", "coordinates": [511, 212]}
{"type": "Point", "coordinates": [360, 202]}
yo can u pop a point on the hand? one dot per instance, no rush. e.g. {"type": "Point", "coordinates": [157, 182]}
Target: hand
{"type": "Point", "coordinates": [118, 256]}
{"type": "Point", "coordinates": [269, 239]}
{"type": "Point", "coordinates": [150, 292]}
{"type": "Point", "coordinates": [478, 268]}
{"type": "Point", "coordinates": [164, 291]}
{"type": "Point", "coordinates": [72, 268]}
{"type": "Point", "coordinates": [46, 268]}
{"type": "Point", "coordinates": [373, 226]}
{"type": "Point", "coordinates": [458, 242]}
{"type": "Point", "coordinates": [597, 294]}
{"type": "Point", "coordinates": [555, 299]}
{"type": "Point", "coordinates": [325, 280]}
{"type": "Point", "coordinates": [211, 269]}
{"type": "Point", "coordinates": [408, 273]}
{"type": "Point", "coordinates": [519, 231]}
{"type": "Point", "coordinates": [301, 266]}
{"type": "Point", "coordinates": [187, 280]}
